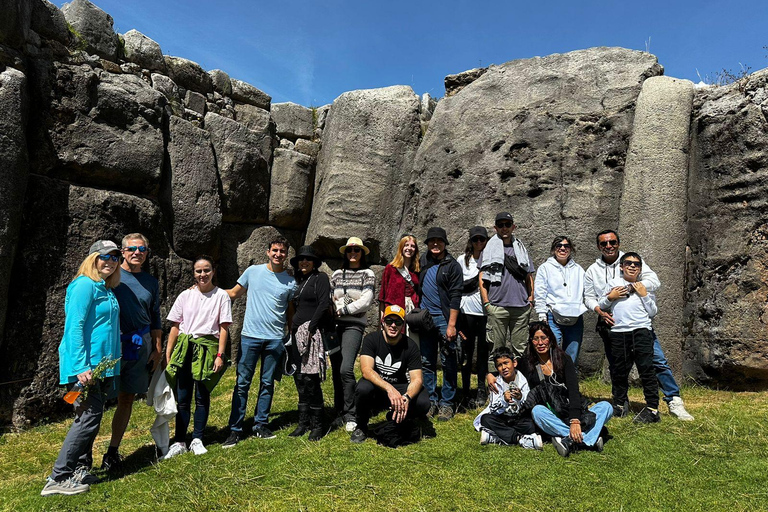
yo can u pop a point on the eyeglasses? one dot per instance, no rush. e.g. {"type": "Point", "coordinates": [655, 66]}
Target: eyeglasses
{"type": "Point", "coordinates": [503, 224]}
{"type": "Point", "coordinates": [632, 263]}
{"type": "Point", "coordinates": [133, 248]}
{"type": "Point", "coordinates": [606, 243]}
{"type": "Point", "coordinates": [107, 257]}
{"type": "Point", "coordinates": [478, 239]}
{"type": "Point", "coordinates": [562, 246]}
{"type": "Point", "coordinates": [393, 321]}
{"type": "Point", "coordinates": [353, 249]}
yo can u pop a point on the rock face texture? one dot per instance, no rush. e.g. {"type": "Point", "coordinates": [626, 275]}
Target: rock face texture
{"type": "Point", "coordinates": [293, 121]}
{"type": "Point", "coordinates": [369, 141]}
{"type": "Point", "coordinates": [292, 182]}
{"type": "Point", "coordinates": [94, 27]}
{"type": "Point", "coordinates": [725, 308]}
{"type": "Point", "coordinates": [143, 51]}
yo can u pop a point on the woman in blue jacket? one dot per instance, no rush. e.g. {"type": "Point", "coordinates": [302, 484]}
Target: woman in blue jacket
{"type": "Point", "coordinates": [91, 335]}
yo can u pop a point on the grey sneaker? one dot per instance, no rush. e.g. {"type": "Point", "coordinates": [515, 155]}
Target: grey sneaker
{"type": "Point", "coordinates": [563, 445]}
{"type": "Point", "coordinates": [677, 409]}
{"type": "Point", "coordinates": [83, 476]}
{"type": "Point", "coordinates": [66, 487]}
{"type": "Point", "coordinates": [531, 442]}
{"type": "Point", "coordinates": [175, 449]}
{"type": "Point", "coordinates": [446, 413]}
{"type": "Point", "coordinates": [488, 438]}
{"type": "Point", "coordinates": [432, 410]}
{"type": "Point", "coordinates": [263, 432]}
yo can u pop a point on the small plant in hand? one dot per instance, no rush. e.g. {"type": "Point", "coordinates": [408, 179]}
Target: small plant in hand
{"type": "Point", "coordinates": [80, 392]}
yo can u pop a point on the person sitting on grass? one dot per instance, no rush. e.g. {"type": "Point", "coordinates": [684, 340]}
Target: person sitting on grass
{"type": "Point", "coordinates": [503, 421]}
{"type": "Point", "coordinates": [391, 366]}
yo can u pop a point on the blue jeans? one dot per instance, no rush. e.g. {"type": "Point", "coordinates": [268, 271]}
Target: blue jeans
{"type": "Point", "coordinates": [554, 426]}
{"type": "Point", "coordinates": [430, 344]}
{"type": "Point", "coordinates": [568, 336]}
{"type": "Point", "coordinates": [251, 351]}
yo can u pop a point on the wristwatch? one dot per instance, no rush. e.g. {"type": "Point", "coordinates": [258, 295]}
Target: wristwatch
{"type": "Point", "coordinates": [405, 395]}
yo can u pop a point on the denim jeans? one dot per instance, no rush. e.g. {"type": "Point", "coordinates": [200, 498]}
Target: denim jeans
{"type": "Point", "coordinates": [186, 388]}
{"type": "Point", "coordinates": [251, 351]}
{"type": "Point", "coordinates": [568, 336]}
{"type": "Point", "coordinates": [554, 426]}
{"type": "Point", "coordinates": [430, 345]}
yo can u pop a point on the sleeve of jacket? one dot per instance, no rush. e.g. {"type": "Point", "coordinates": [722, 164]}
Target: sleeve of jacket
{"type": "Point", "coordinates": [80, 298]}
{"type": "Point", "coordinates": [323, 291]}
{"type": "Point", "coordinates": [590, 295]}
{"type": "Point", "coordinates": [456, 285]}
{"type": "Point", "coordinates": [649, 278]}
{"type": "Point", "coordinates": [540, 290]}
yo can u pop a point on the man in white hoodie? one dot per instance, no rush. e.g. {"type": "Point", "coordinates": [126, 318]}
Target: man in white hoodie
{"type": "Point", "coordinates": [605, 268]}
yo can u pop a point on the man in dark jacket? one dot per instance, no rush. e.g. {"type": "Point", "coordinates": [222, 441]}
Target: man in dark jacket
{"type": "Point", "coordinates": [441, 286]}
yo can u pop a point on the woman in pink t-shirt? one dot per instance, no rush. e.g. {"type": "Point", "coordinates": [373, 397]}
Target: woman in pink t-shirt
{"type": "Point", "coordinates": [195, 352]}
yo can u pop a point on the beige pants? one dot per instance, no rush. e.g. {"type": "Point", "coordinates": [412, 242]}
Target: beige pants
{"type": "Point", "coordinates": [507, 327]}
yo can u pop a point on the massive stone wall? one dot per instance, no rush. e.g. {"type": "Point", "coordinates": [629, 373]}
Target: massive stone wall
{"type": "Point", "coordinates": [101, 134]}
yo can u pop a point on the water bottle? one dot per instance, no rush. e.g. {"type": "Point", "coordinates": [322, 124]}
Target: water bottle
{"type": "Point", "coordinates": [74, 394]}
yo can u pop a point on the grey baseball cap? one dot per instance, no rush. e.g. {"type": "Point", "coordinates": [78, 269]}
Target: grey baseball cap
{"type": "Point", "coordinates": [103, 247]}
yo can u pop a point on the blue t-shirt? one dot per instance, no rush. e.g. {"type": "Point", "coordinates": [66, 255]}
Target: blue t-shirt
{"type": "Point", "coordinates": [430, 295]}
{"type": "Point", "coordinates": [268, 297]}
{"type": "Point", "coordinates": [139, 297]}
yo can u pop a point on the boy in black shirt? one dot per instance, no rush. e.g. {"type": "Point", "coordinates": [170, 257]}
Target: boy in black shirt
{"type": "Point", "coordinates": [392, 378]}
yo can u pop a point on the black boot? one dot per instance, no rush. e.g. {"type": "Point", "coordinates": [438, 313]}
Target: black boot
{"type": "Point", "coordinates": [318, 429]}
{"type": "Point", "coordinates": [303, 426]}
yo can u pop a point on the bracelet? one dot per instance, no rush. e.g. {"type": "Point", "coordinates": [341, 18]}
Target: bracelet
{"type": "Point", "coordinates": [220, 355]}
{"type": "Point", "coordinates": [405, 395]}
{"type": "Point", "coordinates": [486, 303]}
{"type": "Point", "coordinates": [576, 421]}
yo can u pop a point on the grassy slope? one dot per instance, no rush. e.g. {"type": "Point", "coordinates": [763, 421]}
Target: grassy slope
{"type": "Point", "coordinates": [717, 462]}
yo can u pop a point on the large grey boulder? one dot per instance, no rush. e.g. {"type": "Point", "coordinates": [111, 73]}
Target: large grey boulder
{"type": "Point", "coordinates": [243, 161]}
{"type": "Point", "coordinates": [195, 205]}
{"type": "Point", "coordinates": [307, 147]}
{"type": "Point", "coordinates": [15, 22]}
{"type": "Point", "coordinates": [221, 82]}
{"type": "Point", "coordinates": [544, 138]}
{"type": "Point", "coordinates": [293, 121]}
{"type": "Point", "coordinates": [255, 118]}
{"type": "Point", "coordinates": [101, 129]}
{"type": "Point", "coordinates": [48, 21]}
{"type": "Point", "coordinates": [95, 26]}
{"type": "Point", "coordinates": [653, 205]}
{"type": "Point", "coordinates": [188, 74]}
{"type": "Point", "coordinates": [143, 51]}
{"type": "Point", "coordinates": [170, 90]}
{"type": "Point", "coordinates": [455, 83]}
{"type": "Point", "coordinates": [246, 93]}
{"type": "Point", "coordinates": [369, 142]}
{"type": "Point", "coordinates": [727, 342]}
{"type": "Point", "coordinates": [290, 199]}
{"type": "Point", "coordinates": [14, 170]}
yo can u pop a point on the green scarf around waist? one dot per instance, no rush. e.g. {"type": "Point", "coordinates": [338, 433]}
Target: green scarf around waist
{"type": "Point", "coordinates": [204, 350]}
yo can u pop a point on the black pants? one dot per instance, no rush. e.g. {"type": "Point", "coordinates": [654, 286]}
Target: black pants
{"type": "Point", "coordinates": [628, 348]}
{"type": "Point", "coordinates": [369, 398]}
{"type": "Point", "coordinates": [307, 385]}
{"type": "Point", "coordinates": [473, 327]}
{"type": "Point", "coordinates": [343, 369]}
{"type": "Point", "coordinates": [508, 428]}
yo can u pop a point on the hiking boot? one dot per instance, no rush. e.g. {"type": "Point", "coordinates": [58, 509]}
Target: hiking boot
{"type": "Point", "coordinates": [234, 438]}
{"type": "Point", "coordinates": [563, 445]}
{"type": "Point", "coordinates": [318, 429]}
{"type": "Point", "coordinates": [83, 475]}
{"type": "Point", "coordinates": [358, 436]}
{"type": "Point", "coordinates": [620, 411]}
{"type": "Point", "coordinates": [263, 432]}
{"type": "Point", "coordinates": [677, 409]}
{"type": "Point", "coordinates": [111, 461]}
{"type": "Point", "coordinates": [303, 426]}
{"type": "Point", "coordinates": [66, 487]}
{"type": "Point", "coordinates": [488, 438]}
{"type": "Point", "coordinates": [432, 410]}
{"type": "Point", "coordinates": [531, 442]}
{"type": "Point", "coordinates": [648, 415]}
{"type": "Point", "coordinates": [445, 413]}
{"type": "Point", "coordinates": [175, 449]}
{"type": "Point", "coordinates": [197, 447]}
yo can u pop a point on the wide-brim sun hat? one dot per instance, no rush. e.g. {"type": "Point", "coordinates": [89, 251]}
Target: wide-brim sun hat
{"type": "Point", "coordinates": [306, 251]}
{"type": "Point", "coordinates": [354, 241]}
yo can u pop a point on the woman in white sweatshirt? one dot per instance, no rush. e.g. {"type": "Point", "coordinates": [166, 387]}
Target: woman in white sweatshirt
{"type": "Point", "coordinates": [559, 295]}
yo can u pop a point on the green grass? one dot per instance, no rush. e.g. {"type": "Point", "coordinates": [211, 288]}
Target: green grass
{"type": "Point", "coordinates": [719, 462]}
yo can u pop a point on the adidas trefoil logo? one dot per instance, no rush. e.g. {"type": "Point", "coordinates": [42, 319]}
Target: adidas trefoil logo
{"type": "Point", "coordinates": [386, 367]}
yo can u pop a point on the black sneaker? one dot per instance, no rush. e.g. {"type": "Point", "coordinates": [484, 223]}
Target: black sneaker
{"type": "Point", "coordinates": [599, 444]}
{"type": "Point", "coordinates": [648, 415]}
{"type": "Point", "coordinates": [263, 432]}
{"type": "Point", "coordinates": [358, 436]}
{"type": "Point", "coordinates": [111, 461]}
{"type": "Point", "coordinates": [234, 438]}
{"type": "Point", "coordinates": [620, 411]}
{"type": "Point", "coordinates": [563, 445]}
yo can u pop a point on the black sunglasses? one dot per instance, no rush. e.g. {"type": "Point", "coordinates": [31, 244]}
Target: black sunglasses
{"type": "Point", "coordinates": [503, 224]}
{"type": "Point", "coordinates": [606, 243]}
{"type": "Point", "coordinates": [352, 249]}
{"type": "Point", "coordinates": [107, 257]}
{"type": "Point", "coordinates": [562, 246]}
{"type": "Point", "coordinates": [393, 321]}
{"type": "Point", "coordinates": [632, 263]}
{"type": "Point", "coordinates": [306, 258]}
{"type": "Point", "coordinates": [478, 239]}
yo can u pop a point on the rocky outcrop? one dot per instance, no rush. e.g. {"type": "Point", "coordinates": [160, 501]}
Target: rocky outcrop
{"type": "Point", "coordinates": [221, 82]}
{"type": "Point", "coordinates": [455, 83]}
{"type": "Point", "coordinates": [94, 27]}
{"type": "Point", "coordinates": [292, 182]}
{"type": "Point", "coordinates": [725, 308]}
{"type": "Point", "coordinates": [369, 141]}
{"type": "Point", "coordinates": [188, 74]}
{"type": "Point", "coordinates": [48, 21]}
{"type": "Point", "coordinates": [292, 121]}
{"type": "Point", "coordinates": [255, 118]}
{"type": "Point", "coordinates": [246, 93]}
{"type": "Point", "coordinates": [143, 51]}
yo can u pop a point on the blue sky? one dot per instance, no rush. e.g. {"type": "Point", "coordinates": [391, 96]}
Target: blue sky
{"type": "Point", "coordinates": [310, 52]}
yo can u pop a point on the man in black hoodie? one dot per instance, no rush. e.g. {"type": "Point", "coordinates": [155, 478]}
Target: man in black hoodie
{"type": "Point", "coordinates": [441, 286]}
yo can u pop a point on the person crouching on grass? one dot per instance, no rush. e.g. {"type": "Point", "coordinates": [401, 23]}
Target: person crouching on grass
{"type": "Point", "coordinates": [391, 366]}
{"type": "Point", "coordinates": [503, 421]}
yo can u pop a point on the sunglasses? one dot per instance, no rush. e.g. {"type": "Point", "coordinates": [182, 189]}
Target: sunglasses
{"type": "Point", "coordinates": [562, 246]}
{"type": "Point", "coordinates": [393, 321]}
{"type": "Point", "coordinates": [107, 257]}
{"type": "Point", "coordinates": [503, 224]}
{"type": "Point", "coordinates": [478, 239]}
{"type": "Point", "coordinates": [606, 243]}
{"type": "Point", "coordinates": [133, 248]}
{"type": "Point", "coordinates": [632, 263]}
{"type": "Point", "coordinates": [353, 249]}
{"type": "Point", "coordinates": [306, 258]}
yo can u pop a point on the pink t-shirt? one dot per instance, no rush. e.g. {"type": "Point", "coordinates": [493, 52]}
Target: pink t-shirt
{"type": "Point", "coordinates": [200, 314]}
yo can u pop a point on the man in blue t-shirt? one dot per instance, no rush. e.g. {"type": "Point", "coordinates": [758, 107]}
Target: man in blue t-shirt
{"type": "Point", "coordinates": [141, 336]}
{"type": "Point", "coordinates": [267, 311]}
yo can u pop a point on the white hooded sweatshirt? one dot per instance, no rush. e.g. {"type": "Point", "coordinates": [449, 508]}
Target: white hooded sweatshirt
{"type": "Point", "coordinates": [560, 288]}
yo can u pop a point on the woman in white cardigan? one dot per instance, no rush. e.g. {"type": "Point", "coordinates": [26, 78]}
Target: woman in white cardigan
{"type": "Point", "coordinates": [559, 296]}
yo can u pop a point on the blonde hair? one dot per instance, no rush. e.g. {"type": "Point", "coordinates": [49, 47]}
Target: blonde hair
{"type": "Point", "coordinates": [134, 236]}
{"type": "Point", "coordinates": [89, 270]}
{"type": "Point", "coordinates": [398, 261]}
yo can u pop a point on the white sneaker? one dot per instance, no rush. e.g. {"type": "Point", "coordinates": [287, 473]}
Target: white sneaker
{"type": "Point", "coordinates": [488, 438]}
{"type": "Point", "coordinates": [174, 450]}
{"type": "Point", "coordinates": [350, 426]}
{"type": "Point", "coordinates": [531, 442]}
{"type": "Point", "coordinates": [66, 487]}
{"type": "Point", "coordinates": [677, 409]}
{"type": "Point", "coordinates": [197, 447]}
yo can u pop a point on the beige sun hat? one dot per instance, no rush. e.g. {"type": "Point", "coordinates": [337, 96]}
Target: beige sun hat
{"type": "Point", "coordinates": [354, 241]}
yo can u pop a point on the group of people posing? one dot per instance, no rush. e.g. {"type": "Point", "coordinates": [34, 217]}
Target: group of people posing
{"type": "Point", "coordinates": [431, 306]}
